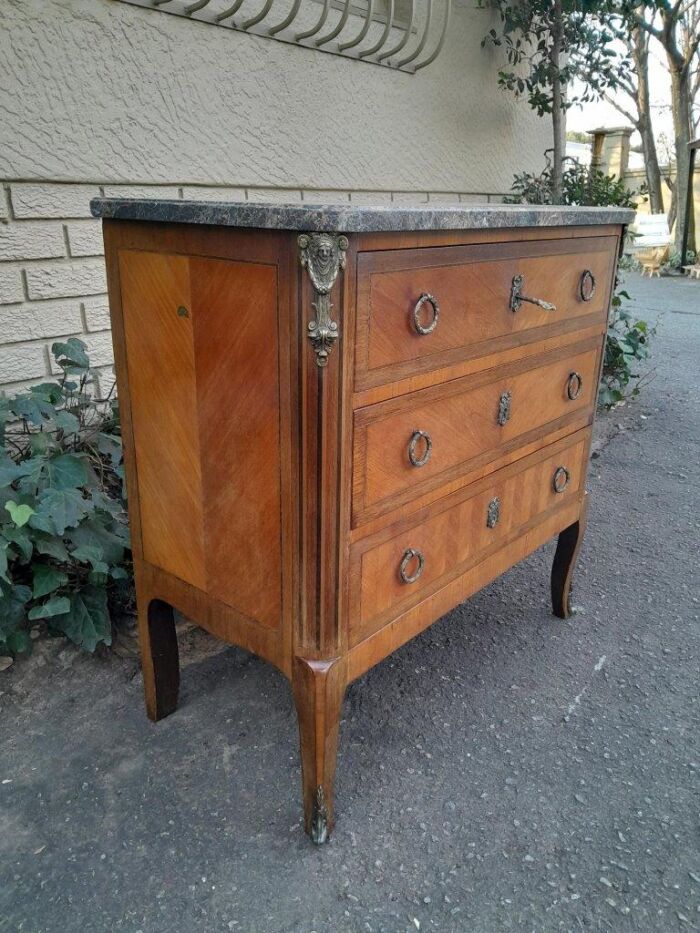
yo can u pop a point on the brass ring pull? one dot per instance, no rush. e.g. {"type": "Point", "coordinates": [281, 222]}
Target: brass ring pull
{"type": "Point", "coordinates": [561, 478]}
{"type": "Point", "coordinates": [586, 286]}
{"type": "Point", "coordinates": [422, 330]}
{"type": "Point", "coordinates": [411, 554]}
{"type": "Point", "coordinates": [574, 385]}
{"type": "Point", "coordinates": [517, 297]}
{"type": "Point", "coordinates": [416, 438]}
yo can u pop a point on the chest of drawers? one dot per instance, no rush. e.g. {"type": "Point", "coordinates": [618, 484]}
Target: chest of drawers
{"type": "Point", "coordinates": [339, 423]}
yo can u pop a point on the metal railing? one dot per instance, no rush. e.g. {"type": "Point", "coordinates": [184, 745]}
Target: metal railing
{"type": "Point", "coordinates": [374, 31]}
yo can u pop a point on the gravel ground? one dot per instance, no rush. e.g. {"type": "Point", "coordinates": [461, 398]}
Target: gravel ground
{"type": "Point", "coordinates": [504, 771]}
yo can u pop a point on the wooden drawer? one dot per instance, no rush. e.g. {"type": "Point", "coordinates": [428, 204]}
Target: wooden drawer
{"type": "Point", "coordinates": [472, 286]}
{"type": "Point", "coordinates": [446, 539]}
{"type": "Point", "coordinates": [405, 447]}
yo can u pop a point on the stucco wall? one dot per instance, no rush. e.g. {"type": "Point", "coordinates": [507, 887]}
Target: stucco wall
{"type": "Point", "coordinates": [100, 96]}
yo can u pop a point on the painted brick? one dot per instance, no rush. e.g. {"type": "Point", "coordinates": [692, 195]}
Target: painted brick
{"type": "Point", "coordinates": [31, 239]}
{"type": "Point", "coordinates": [66, 279]}
{"type": "Point", "coordinates": [31, 321]}
{"type": "Point", "coordinates": [474, 198]}
{"type": "Point", "coordinates": [85, 238]}
{"type": "Point", "coordinates": [213, 194]}
{"type": "Point", "coordinates": [274, 195]}
{"type": "Point", "coordinates": [4, 211]}
{"type": "Point", "coordinates": [105, 380]}
{"type": "Point", "coordinates": [410, 197]}
{"type": "Point", "coordinates": [171, 192]}
{"type": "Point", "coordinates": [47, 201]}
{"type": "Point", "coordinates": [443, 197]}
{"type": "Point", "coordinates": [18, 364]}
{"type": "Point", "coordinates": [10, 285]}
{"type": "Point", "coordinates": [318, 196]}
{"type": "Point", "coordinates": [97, 313]}
{"type": "Point", "coordinates": [370, 197]}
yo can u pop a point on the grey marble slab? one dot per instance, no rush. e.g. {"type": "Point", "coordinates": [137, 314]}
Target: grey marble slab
{"type": "Point", "coordinates": [349, 218]}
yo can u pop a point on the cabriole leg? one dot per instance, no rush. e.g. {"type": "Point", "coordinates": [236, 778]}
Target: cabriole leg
{"type": "Point", "coordinates": [319, 688]}
{"type": "Point", "coordinates": [565, 557]}
{"type": "Point", "coordinates": [159, 658]}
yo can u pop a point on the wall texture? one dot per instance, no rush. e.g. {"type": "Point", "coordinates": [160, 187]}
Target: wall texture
{"type": "Point", "coordinates": [98, 96]}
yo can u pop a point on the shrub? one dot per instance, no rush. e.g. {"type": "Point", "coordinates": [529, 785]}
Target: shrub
{"type": "Point", "coordinates": [627, 345]}
{"type": "Point", "coordinates": [583, 185]}
{"type": "Point", "coordinates": [64, 539]}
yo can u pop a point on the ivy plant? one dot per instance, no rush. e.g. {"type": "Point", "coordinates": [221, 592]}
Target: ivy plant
{"type": "Point", "coordinates": [64, 539]}
{"type": "Point", "coordinates": [627, 346]}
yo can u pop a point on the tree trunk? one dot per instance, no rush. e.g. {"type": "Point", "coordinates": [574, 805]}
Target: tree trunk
{"type": "Point", "coordinates": [680, 102]}
{"type": "Point", "coordinates": [640, 55]}
{"type": "Point", "coordinates": [558, 113]}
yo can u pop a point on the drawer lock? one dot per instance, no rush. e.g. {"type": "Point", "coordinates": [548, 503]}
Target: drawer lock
{"type": "Point", "coordinates": [517, 297]}
{"type": "Point", "coordinates": [424, 329]}
{"type": "Point", "coordinates": [419, 439]}
{"type": "Point", "coordinates": [504, 404]}
{"type": "Point", "coordinates": [493, 513]}
{"type": "Point", "coordinates": [411, 556]}
{"type": "Point", "coordinates": [561, 478]}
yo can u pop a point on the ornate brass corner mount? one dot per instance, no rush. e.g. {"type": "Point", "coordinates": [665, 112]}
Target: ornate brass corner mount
{"type": "Point", "coordinates": [323, 255]}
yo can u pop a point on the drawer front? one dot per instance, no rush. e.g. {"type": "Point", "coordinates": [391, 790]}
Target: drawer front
{"type": "Point", "coordinates": [425, 309]}
{"type": "Point", "coordinates": [393, 571]}
{"type": "Point", "coordinates": [408, 446]}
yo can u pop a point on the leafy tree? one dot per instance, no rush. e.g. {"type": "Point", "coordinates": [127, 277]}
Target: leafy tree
{"type": "Point", "coordinates": [549, 44]}
{"type": "Point", "coordinates": [676, 26]}
{"type": "Point", "coordinates": [635, 84]}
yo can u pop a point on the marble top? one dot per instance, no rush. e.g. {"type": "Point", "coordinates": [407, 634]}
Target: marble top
{"type": "Point", "coordinates": [355, 218]}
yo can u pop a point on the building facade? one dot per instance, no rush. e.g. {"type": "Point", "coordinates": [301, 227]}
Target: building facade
{"type": "Point", "coordinates": [105, 97]}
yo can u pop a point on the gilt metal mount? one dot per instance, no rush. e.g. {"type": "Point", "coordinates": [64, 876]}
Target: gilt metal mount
{"type": "Point", "coordinates": [323, 255]}
{"type": "Point", "coordinates": [319, 818]}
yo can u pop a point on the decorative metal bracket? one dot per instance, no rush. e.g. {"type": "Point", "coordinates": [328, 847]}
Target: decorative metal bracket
{"type": "Point", "coordinates": [493, 513]}
{"type": "Point", "coordinates": [323, 255]}
{"type": "Point", "coordinates": [319, 818]}
{"type": "Point", "coordinates": [504, 404]}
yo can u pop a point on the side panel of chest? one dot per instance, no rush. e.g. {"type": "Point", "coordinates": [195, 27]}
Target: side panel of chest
{"type": "Point", "coordinates": [203, 370]}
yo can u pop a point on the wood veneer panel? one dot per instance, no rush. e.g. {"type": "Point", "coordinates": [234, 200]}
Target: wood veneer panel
{"type": "Point", "coordinates": [161, 374]}
{"type": "Point", "coordinates": [472, 285]}
{"type": "Point", "coordinates": [461, 418]}
{"type": "Point", "coordinates": [234, 310]}
{"type": "Point", "coordinates": [455, 536]}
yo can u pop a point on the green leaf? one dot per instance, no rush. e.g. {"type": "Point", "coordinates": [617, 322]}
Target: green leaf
{"type": "Point", "coordinates": [118, 573]}
{"type": "Point", "coordinates": [60, 509]}
{"type": "Point", "coordinates": [67, 471]}
{"type": "Point", "coordinates": [87, 623]}
{"type": "Point", "coordinates": [88, 553]}
{"type": "Point", "coordinates": [19, 642]}
{"type": "Point", "coordinates": [3, 561]}
{"type": "Point", "coordinates": [93, 533]}
{"type": "Point", "coordinates": [66, 421]}
{"type": "Point", "coordinates": [71, 352]}
{"type": "Point", "coordinates": [56, 606]}
{"type": "Point", "coordinates": [20, 514]}
{"type": "Point", "coordinates": [46, 580]}
{"type": "Point", "coordinates": [52, 547]}
{"type": "Point", "coordinates": [21, 539]}
{"type": "Point", "coordinates": [9, 470]}
{"type": "Point", "coordinates": [12, 602]}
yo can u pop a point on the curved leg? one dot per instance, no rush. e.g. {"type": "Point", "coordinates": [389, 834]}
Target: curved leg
{"type": "Point", "coordinates": [319, 688]}
{"type": "Point", "coordinates": [565, 557]}
{"type": "Point", "coordinates": [159, 658]}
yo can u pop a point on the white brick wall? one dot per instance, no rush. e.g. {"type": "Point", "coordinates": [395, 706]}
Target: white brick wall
{"type": "Point", "coordinates": [52, 276]}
